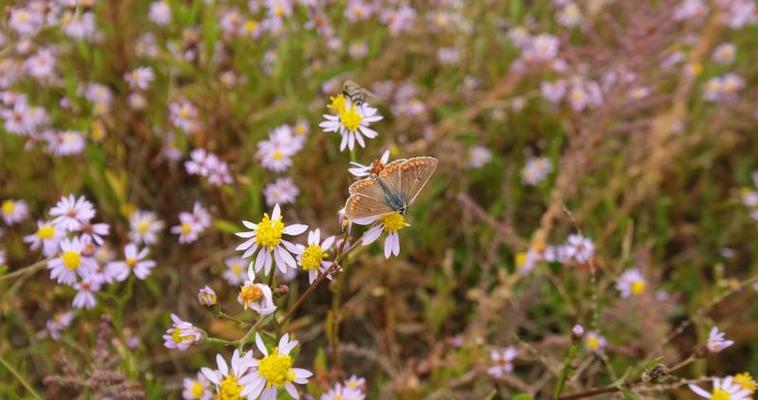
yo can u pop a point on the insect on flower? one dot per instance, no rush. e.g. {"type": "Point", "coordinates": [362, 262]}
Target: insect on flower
{"type": "Point", "coordinates": [356, 93]}
{"type": "Point", "coordinates": [393, 189]}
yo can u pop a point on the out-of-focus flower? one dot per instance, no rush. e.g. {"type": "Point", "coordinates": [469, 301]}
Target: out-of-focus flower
{"type": "Point", "coordinates": [737, 13]}
{"type": "Point", "coordinates": [281, 191]}
{"type": "Point", "coordinates": [231, 382]}
{"type": "Point", "coordinates": [100, 96]}
{"type": "Point", "coordinates": [717, 341]}
{"type": "Point", "coordinates": [134, 261]}
{"type": "Point", "coordinates": [535, 170]}
{"type": "Point", "coordinates": [502, 361]}
{"type": "Point", "coordinates": [478, 156]}
{"type": "Point", "coordinates": [527, 260]}
{"type": "Point", "coordinates": [160, 13]}
{"type": "Point", "coordinates": [26, 21]}
{"type": "Point", "coordinates": [723, 389]}
{"type": "Point", "coordinates": [191, 225]}
{"type": "Point", "coordinates": [274, 371]}
{"type": "Point", "coordinates": [71, 262]}
{"type": "Point", "coordinates": [746, 382]}
{"type": "Point", "coordinates": [140, 78]}
{"type": "Point", "coordinates": [207, 164]}
{"type": "Point", "coordinates": [144, 227]}
{"type": "Point", "coordinates": [256, 295]}
{"type": "Point", "coordinates": [360, 170]}
{"type": "Point", "coordinates": [183, 115]}
{"type": "Point", "coordinates": [358, 10]}
{"type": "Point", "coordinates": [58, 323]}
{"type": "Point", "coordinates": [541, 48]}
{"type": "Point", "coordinates": [577, 331]}
{"type": "Point", "coordinates": [690, 10]}
{"type": "Point", "coordinates": [722, 88]}
{"type": "Point", "coordinates": [553, 91]}
{"type": "Point", "coordinates": [390, 223]}
{"type": "Point", "coordinates": [342, 392]}
{"type": "Point", "coordinates": [264, 242]}
{"type": "Point", "coordinates": [14, 211]}
{"type": "Point", "coordinates": [351, 122]}
{"type": "Point", "coordinates": [85, 295]}
{"type": "Point", "coordinates": [235, 273]}
{"type": "Point", "coordinates": [579, 248]}
{"type": "Point", "coordinates": [197, 388]}
{"type": "Point", "coordinates": [311, 258]}
{"type": "Point", "coordinates": [569, 15]}
{"type": "Point", "coordinates": [594, 342]}
{"type": "Point", "coordinates": [206, 296]}
{"type": "Point", "coordinates": [181, 335]}
{"type": "Point", "coordinates": [80, 26]}
{"type": "Point", "coordinates": [725, 53]}
{"type": "Point", "coordinates": [631, 283]}
{"type": "Point", "coordinates": [70, 213]}
{"type": "Point", "coordinates": [65, 143]}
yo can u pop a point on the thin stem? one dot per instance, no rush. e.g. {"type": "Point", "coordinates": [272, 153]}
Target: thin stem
{"type": "Point", "coordinates": [20, 378]}
{"type": "Point", "coordinates": [26, 270]}
{"type": "Point", "coordinates": [567, 368]}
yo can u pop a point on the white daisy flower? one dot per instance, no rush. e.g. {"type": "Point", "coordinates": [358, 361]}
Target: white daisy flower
{"type": "Point", "coordinates": [144, 227]}
{"type": "Point", "coordinates": [342, 392]}
{"type": "Point", "coordinates": [181, 335]}
{"type": "Point", "coordinates": [256, 295]}
{"type": "Point", "coordinates": [71, 262]}
{"type": "Point", "coordinates": [46, 236]}
{"type": "Point", "coordinates": [360, 170]}
{"type": "Point", "coordinates": [502, 361]}
{"type": "Point", "coordinates": [390, 223]}
{"type": "Point", "coordinates": [631, 283]}
{"type": "Point", "coordinates": [717, 341]}
{"type": "Point", "coordinates": [230, 382]}
{"type": "Point", "coordinates": [264, 242]}
{"type": "Point", "coordinates": [723, 389]}
{"type": "Point", "coordinates": [70, 213]}
{"type": "Point", "coordinates": [134, 261]}
{"type": "Point", "coordinates": [351, 122]}
{"type": "Point", "coordinates": [85, 296]}
{"type": "Point", "coordinates": [594, 342]}
{"type": "Point", "coordinates": [197, 388]}
{"type": "Point", "coordinates": [14, 211]}
{"type": "Point", "coordinates": [235, 273]}
{"type": "Point", "coordinates": [311, 258]}
{"type": "Point", "coordinates": [274, 371]}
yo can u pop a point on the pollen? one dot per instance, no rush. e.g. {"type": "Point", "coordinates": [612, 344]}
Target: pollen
{"type": "Point", "coordinates": [351, 118]}
{"type": "Point", "coordinates": [638, 287]}
{"type": "Point", "coordinates": [229, 389]}
{"type": "Point", "coordinates": [250, 294]}
{"type": "Point", "coordinates": [312, 257]}
{"type": "Point", "coordinates": [71, 259]}
{"type": "Point", "coordinates": [337, 103]}
{"type": "Point", "coordinates": [8, 207]}
{"type": "Point", "coordinates": [276, 368]}
{"type": "Point", "coordinates": [746, 382]}
{"type": "Point", "coordinates": [394, 222]}
{"type": "Point", "coordinates": [269, 232]}
{"type": "Point", "coordinates": [45, 232]}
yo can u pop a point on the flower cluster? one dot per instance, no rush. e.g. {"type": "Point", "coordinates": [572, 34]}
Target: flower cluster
{"type": "Point", "coordinates": [208, 165]}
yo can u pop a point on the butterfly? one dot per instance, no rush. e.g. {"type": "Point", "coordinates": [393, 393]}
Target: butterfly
{"type": "Point", "coordinates": [393, 189]}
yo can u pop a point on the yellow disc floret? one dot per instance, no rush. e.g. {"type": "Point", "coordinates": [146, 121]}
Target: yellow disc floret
{"type": "Point", "coordinates": [393, 222]}
{"type": "Point", "coordinates": [197, 389]}
{"type": "Point", "coordinates": [45, 232]}
{"type": "Point", "coordinates": [638, 287]}
{"type": "Point", "coordinates": [250, 293]}
{"type": "Point", "coordinates": [186, 229]}
{"type": "Point", "coordinates": [71, 259]}
{"type": "Point", "coordinates": [312, 257]}
{"type": "Point", "coordinates": [229, 389]}
{"type": "Point", "coordinates": [745, 380]}
{"type": "Point", "coordinates": [337, 103]}
{"type": "Point", "coordinates": [720, 394]}
{"type": "Point", "coordinates": [269, 232]}
{"type": "Point", "coordinates": [276, 368]}
{"type": "Point", "coordinates": [8, 207]}
{"type": "Point", "coordinates": [351, 118]}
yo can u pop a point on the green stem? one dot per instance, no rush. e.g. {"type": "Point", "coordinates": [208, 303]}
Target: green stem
{"type": "Point", "coordinates": [26, 270]}
{"type": "Point", "coordinates": [20, 378]}
{"type": "Point", "coordinates": [567, 369]}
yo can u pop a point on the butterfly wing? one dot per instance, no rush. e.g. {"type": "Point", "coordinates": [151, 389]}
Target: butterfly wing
{"type": "Point", "coordinates": [390, 176]}
{"type": "Point", "coordinates": [361, 206]}
{"type": "Point", "coordinates": [415, 174]}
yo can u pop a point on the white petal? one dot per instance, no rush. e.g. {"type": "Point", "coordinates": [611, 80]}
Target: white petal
{"type": "Point", "coordinates": [371, 235]}
{"type": "Point", "coordinates": [269, 393]}
{"type": "Point", "coordinates": [259, 343]}
{"type": "Point", "coordinates": [295, 229]}
{"type": "Point", "coordinates": [211, 375]}
{"type": "Point", "coordinates": [290, 388]}
{"type": "Point", "coordinates": [222, 367]}
{"type": "Point", "coordinates": [277, 212]}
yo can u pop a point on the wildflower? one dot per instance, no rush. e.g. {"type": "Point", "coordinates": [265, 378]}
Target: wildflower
{"type": "Point", "coordinates": [723, 389]}
{"type": "Point", "coordinates": [99, 95]}
{"type": "Point", "coordinates": [140, 78]}
{"type": "Point", "coordinates": [26, 21]}
{"type": "Point", "coordinates": [360, 170]}
{"type": "Point", "coordinates": [65, 143]}
{"type": "Point", "coordinates": [256, 295]}
{"type": "Point", "coordinates": [71, 262]}
{"type": "Point", "coordinates": [351, 122]}
{"type": "Point", "coordinates": [311, 258]}
{"type": "Point", "coordinates": [208, 165]}
{"type": "Point", "coordinates": [717, 341]}
{"type": "Point", "coordinates": [229, 382]}
{"type": "Point", "coordinates": [690, 10]}
{"type": "Point", "coordinates": [235, 273]}
{"type": "Point", "coordinates": [541, 48]}
{"type": "Point", "coordinates": [134, 262]}
{"type": "Point", "coordinates": [358, 10]}
{"type": "Point", "coordinates": [502, 361]}
{"type": "Point", "coordinates": [577, 331]}
{"type": "Point", "coordinates": [281, 191]}
{"type": "Point", "coordinates": [583, 94]}
{"type": "Point", "coordinates": [19, 120]}
{"type": "Point", "coordinates": [181, 335]}
{"type": "Point", "coordinates": [160, 13]}
{"type": "Point", "coordinates": [14, 211]}
{"type": "Point", "coordinates": [746, 382]}
{"type": "Point", "coordinates": [725, 53]}
{"type": "Point", "coordinates": [737, 13]}
{"type": "Point", "coordinates": [183, 116]}
{"type": "Point", "coordinates": [390, 223]}
{"type": "Point", "coordinates": [569, 15]}
{"type": "Point", "coordinates": [94, 232]}
{"type": "Point", "coordinates": [342, 392]}
{"type": "Point", "coordinates": [478, 156]}
{"type": "Point", "coordinates": [274, 371]}
{"type": "Point", "coordinates": [197, 388]}
{"type": "Point", "coordinates": [144, 227]}
{"type": "Point", "coordinates": [46, 236]}
{"type": "Point", "coordinates": [192, 224]}
{"type": "Point", "coordinates": [80, 26]}
{"type": "Point", "coordinates": [631, 283]}
{"type": "Point", "coordinates": [265, 243]}
{"type": "Point", "coordinates": [594, 342]}
{"type": "Point", "coordinates": [70, 213]}
{"type": "Point", "coordinates": [355, 382]}
{"type": "Point", "coordinates": [527, 260]}
{"type": "Point", "coordinates": [400, 20]}
{"type": "Point", "coordinates": [85, 296]}
{"type": "Point", "coordinates": [578, 247]}
{"type": "Point", "coordinates": [42, 64]}
{"type": "Point", "coordinates": [206, 296]}
{"type": "Point", "coordinates": [535, 170]}
{"type": "Point", "coordinates": [58, 323]}
{"type": "Point", "coordinates": [274, 156]}
{"type": "Point", "coordinates": [553, 91]}
{"type": "Point", "coordinates": [448, 55]}
{"type": "Point", "coordinates": [724, 87]}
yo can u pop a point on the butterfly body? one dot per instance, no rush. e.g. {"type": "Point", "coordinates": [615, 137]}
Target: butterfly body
{"type": "Point", "coordinates": [392, 190]}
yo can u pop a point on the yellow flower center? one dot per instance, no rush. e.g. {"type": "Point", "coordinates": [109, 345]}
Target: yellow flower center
{"type": "Point", "coordinates": [592, 342]}
{"type": "Point", "coordinates": [229, 389]}
{"type": "Point", "coordinates": [131, 262]}
{"type": "Point", "coordinates": [312, 257]}
{"type": "Point", "coordinates": [179, 337]}
{"type": "Point", "coordinates": [186, 229]}
{"type": "Point", "coordinates": [393, 222]}
{"type": "Point", "coordinates": [250, 25]}
{"type": "Point", "coordinates": [337, 103]}
{"type": "Point", "coordinates": [278, 155]}
{"type": "Point", "coordinates": [197, 389]}
{"type": "Point", "coordinates": [520, 258]}
{"type": "Point", "coordinates": [143, 227]}
{"type": "Point", "coordinates": [279, 11]}
{"type": "Point", "coordinates": [71, 259]}
{"type": "Point", "coordinates": [300, 129]}
{"type": "Point", "coordinates": [236, 268]}
{"type": "Point", "coordinates": [250, 293]}
{"type": "Point", "coordinates": [719, 394]}
{"type": "Point", "coordinates": [276, 369]}
{"type": "Point", "coordinates": [351, 118]}
{"type": "Point", "coordinates": [184, 112]}
{"type": "Point", "coordinates": [23, 16]}
{"type": "Point", "coordinates": [745, 380]}
{"type": "Point", "coordinates": [638, 287]}
{"type": "Point", "coordinates": [45, 232]}
{"type": "Point", "coordinates": [8, 207]}
{"type": "Point", "coordinates": [269, 232]}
